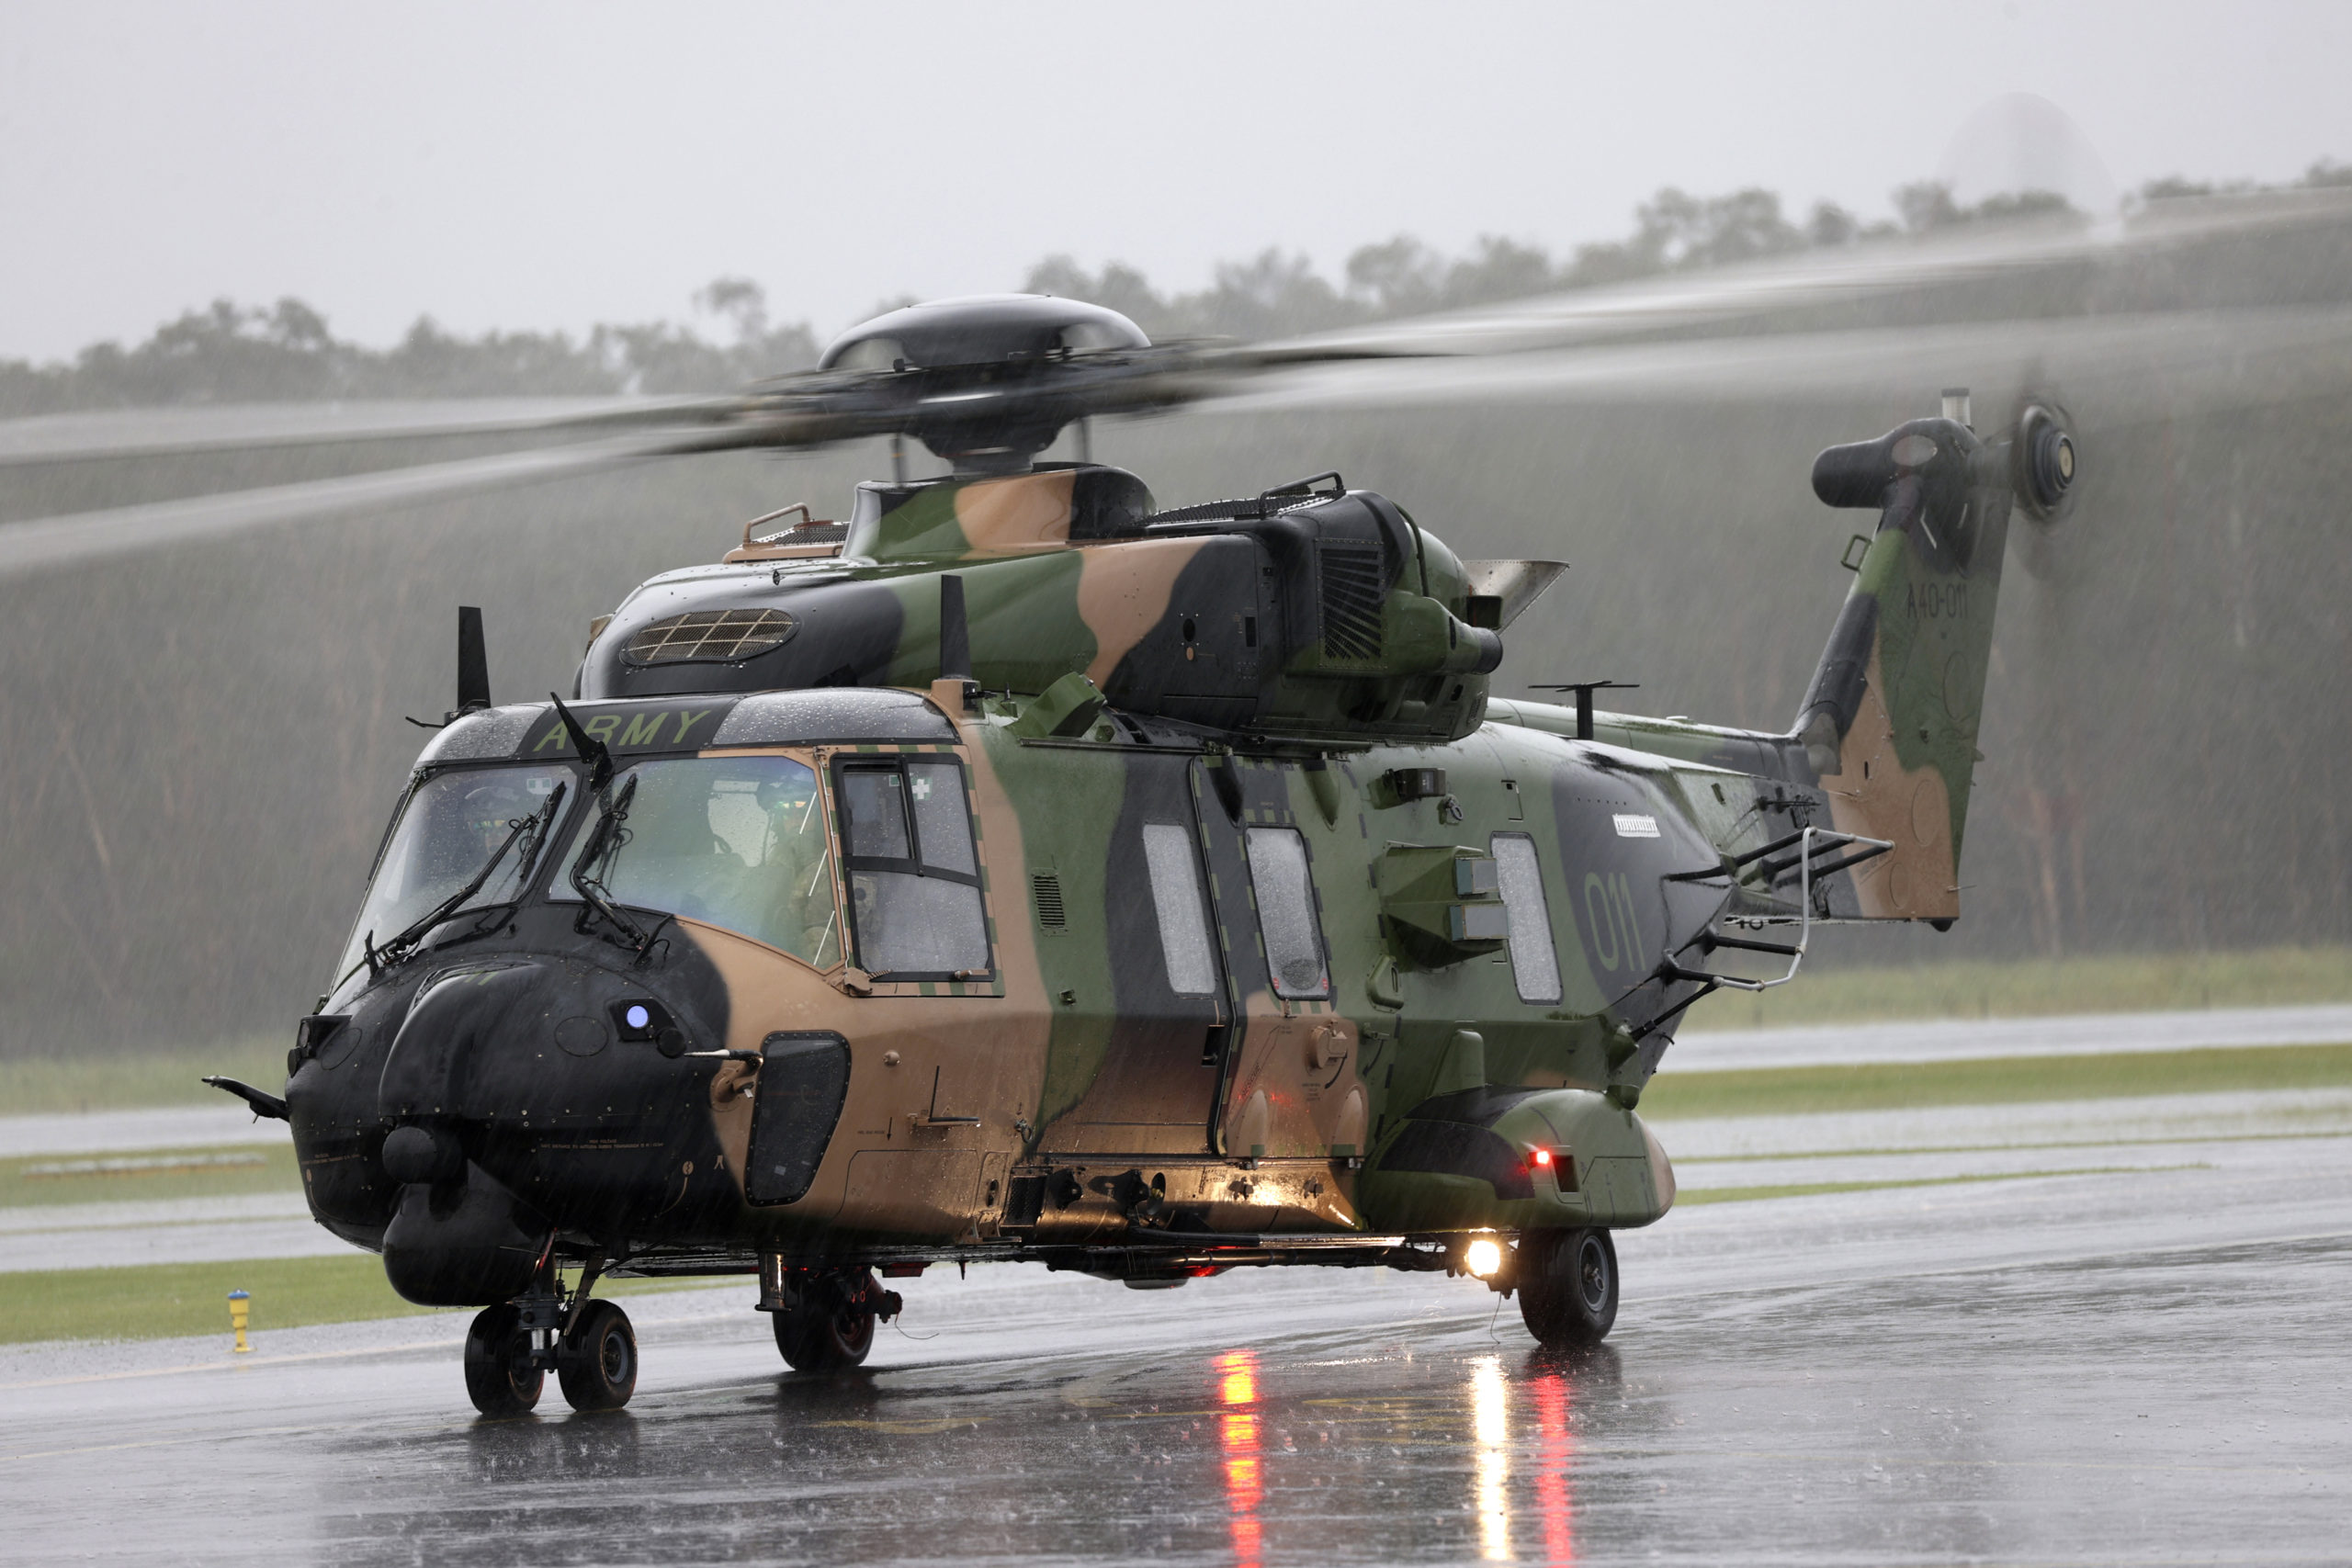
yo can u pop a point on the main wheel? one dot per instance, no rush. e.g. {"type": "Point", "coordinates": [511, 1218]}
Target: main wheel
{"type": "Point", "coordinates": [831, 1328]}
{"type": "Point", "coordinates": [499, 1374]}
{"type": "Point", "coordinates": [1568, 1286]}
{"type": "Point", "coordinates": [596, 1362]}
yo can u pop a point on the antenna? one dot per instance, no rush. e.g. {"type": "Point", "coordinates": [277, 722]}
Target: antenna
{"type": "Point", "coordinates": [474, 661]}
{"type": "Point", "coordinates": [1584, 689]}
{"type": "Point", "coordinates": [954, 631]}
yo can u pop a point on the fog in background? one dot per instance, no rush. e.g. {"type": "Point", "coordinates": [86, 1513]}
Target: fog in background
{"type": "Point", "coordinates": [550, 166]}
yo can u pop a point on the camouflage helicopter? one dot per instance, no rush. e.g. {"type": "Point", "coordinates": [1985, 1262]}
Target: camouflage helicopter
{"type": "Point", "coordinates": [1019, 869]}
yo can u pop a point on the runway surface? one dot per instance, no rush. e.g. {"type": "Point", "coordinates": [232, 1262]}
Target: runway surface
{"type": "Point", "coordinates": [2140, 1359]}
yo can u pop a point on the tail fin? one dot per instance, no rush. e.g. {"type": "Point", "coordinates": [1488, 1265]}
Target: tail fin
{"type": "Point", "coordinates": [1890, 721]}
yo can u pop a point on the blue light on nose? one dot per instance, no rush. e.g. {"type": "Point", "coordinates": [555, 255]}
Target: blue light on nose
{"type": "Point", "coordinates": [638, 1017]}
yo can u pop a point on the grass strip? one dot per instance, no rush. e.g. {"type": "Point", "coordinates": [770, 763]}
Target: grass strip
{"type": "Point", "coordinates": [1995, 1080]}
{"type": "Point", "coordinates": [1680, 1161]}
{"type": "Point", "coordinates": [2130, 982]}
{"type": "Point", "coordinates": [1820, 1189]}
{"type": "Point", "coordinates": [166, 1301]}
{"type": "Point", "coordinates": [96, 1081]}
{"type": "Point", "coordinates": [162, 1301]}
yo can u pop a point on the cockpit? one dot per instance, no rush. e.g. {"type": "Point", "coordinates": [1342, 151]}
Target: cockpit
{"type": "Point", "coordinates": [836, 827]}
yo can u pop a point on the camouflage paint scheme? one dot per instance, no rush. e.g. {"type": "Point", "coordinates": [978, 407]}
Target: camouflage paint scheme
{"type": "Point", "coordinates": [1069, 1105]}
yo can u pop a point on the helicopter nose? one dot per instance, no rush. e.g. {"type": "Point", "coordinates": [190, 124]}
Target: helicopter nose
{"type": "Point", "coordinates": [453, 1021]}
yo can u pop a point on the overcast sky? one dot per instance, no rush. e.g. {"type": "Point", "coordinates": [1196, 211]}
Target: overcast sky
{"type": "Point", "coordinates": [552, 166]}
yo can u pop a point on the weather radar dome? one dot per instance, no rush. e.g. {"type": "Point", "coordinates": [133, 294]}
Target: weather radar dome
{"type": "Point", "coordinates": [980, 328]}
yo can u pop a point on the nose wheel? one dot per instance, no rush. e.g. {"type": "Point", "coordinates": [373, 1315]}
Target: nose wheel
{"type": "Point", "coordinates": [596, 1363]}
{"type": "Point", "coordinates": [589, 1346]}
{"type": "Point", "coordinates": [500, 1374]}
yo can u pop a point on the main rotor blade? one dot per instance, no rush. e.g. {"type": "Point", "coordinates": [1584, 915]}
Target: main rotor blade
{"type": "Point", "coordinates": [2178, 255]}
{"type": "Point", "coordinates": [2116, 369]}
{"type": "Point", "coordinates": [170, 432]}
{"type": "Point", "coordinates": [89, 536]}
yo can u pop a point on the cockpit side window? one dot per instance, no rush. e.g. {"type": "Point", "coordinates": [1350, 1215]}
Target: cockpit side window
{"type": "Point", "coordinates": [912, 867]}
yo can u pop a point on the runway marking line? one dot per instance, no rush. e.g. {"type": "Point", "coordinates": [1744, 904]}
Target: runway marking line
{"type": "Point", "coordinates": [1760, 1191]}
{"type": "Point", "coordinates": [924, 1428]}
{"type": "Point", "coordinates": [235, 1366]}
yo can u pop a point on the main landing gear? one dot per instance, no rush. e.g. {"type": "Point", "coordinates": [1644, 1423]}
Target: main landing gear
{"type": "Point", "coordinates": [1568, 1286]}
{"type": "Point", "coordinates": [824, 1321]}
{"type": "Point", "coordinates": [588, 1344]}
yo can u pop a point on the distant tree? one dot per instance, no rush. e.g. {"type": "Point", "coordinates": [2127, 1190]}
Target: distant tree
{"type": "Point", "coordinates": [286, 351]}
{"type": "Point", "coordinates": [1400, 277]}
{"type": "Point", "coordinates": [1499, 269]}
{"type": "Point", "coordinates": [1831, 226]}
{"type": "Point", "coordinates": [1928, 204]}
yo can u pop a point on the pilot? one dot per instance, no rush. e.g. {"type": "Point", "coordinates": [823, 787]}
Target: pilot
{"type": "Point", "coordinates": [802, 912]}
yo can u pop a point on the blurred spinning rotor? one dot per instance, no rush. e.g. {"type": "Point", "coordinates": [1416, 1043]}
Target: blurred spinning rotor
{"type": "Point", "coordinates": [2191, 306]}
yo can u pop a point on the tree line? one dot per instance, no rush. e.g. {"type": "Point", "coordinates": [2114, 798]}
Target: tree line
{"type": "Point", "coordinates": [286, 352]}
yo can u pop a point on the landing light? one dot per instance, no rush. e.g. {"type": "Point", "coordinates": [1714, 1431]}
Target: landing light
{"type": "Point", "coordinates": [1482, 1257]}
{"type": "Point", "coordinates": [638, 1017]}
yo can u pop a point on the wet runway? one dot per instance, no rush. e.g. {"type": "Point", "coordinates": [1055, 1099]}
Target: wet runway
{"type": "Point", "coordinates": [2146, 1361]}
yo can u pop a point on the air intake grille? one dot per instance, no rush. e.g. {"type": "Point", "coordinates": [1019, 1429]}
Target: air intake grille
{"type": "Point", "coordinates": [1352, 600]}
{"type": "Point", "coordinates": [709, 636]}
{"type": "Point", "coordinates": [1047, 887]}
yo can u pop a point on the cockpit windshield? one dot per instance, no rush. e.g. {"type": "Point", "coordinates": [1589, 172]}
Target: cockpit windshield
{"type": "Point", "coordinates": [733, 841]}
{"type": "Point", "coordinates": [452, 825]}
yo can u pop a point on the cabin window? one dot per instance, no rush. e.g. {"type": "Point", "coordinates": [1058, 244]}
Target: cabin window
{"type": "Point", "coordinates": [1534, 966]}
{"type": "Point", "coordinates": [732, 841]}
{"type": "Point", "coordinates": [907, 845]}
{"type": "Point", "coordinates": [1183, 915]}
{"type": "Point", "coordinates": [1285, 895]}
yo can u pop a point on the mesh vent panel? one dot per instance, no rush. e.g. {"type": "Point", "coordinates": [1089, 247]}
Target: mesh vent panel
{"type": "Point", "coordinates": [709, 636]}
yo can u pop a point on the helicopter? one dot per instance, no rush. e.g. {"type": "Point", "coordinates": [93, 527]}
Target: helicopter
{"type": "Point", "coordinates": [1020, 869]}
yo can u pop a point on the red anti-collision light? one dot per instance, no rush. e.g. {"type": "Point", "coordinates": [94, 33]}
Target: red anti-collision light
{"type": "Point", "coordinates": [1541, 1159]}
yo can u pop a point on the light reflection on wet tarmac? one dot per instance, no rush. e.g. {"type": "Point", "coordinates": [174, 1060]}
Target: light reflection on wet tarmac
{"type": "Point", "coordinates": [2091, 1369]}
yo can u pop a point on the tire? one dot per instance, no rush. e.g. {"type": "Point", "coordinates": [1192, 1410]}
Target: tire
{"type": "Point", "coordinates": [1568, 1286]}
{"type": "Point", "coordinates": [596, 1362]}
{"type": "Point", "coordinates": [499, 1374]}
{"type": "Point", "coordinates": [831, 1328]}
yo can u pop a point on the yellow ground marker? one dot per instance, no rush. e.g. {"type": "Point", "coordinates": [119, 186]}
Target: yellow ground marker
{"type": "Point", "coordinates": [239, 1310]}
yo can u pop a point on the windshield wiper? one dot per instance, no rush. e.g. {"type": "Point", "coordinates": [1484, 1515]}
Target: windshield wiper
{"type": "Point", "coordinates": [402, 946]}
{"type": "Point", "coordinates": [592, 891]}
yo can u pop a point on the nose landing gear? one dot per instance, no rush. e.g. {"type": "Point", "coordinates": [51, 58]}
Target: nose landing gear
{"type": "Point", "coordinates": [501, 1374]}
{"type": "Point", "coordinates": [596, 1363]}
{"type": "Point", "coordinates": [589, 1344]}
